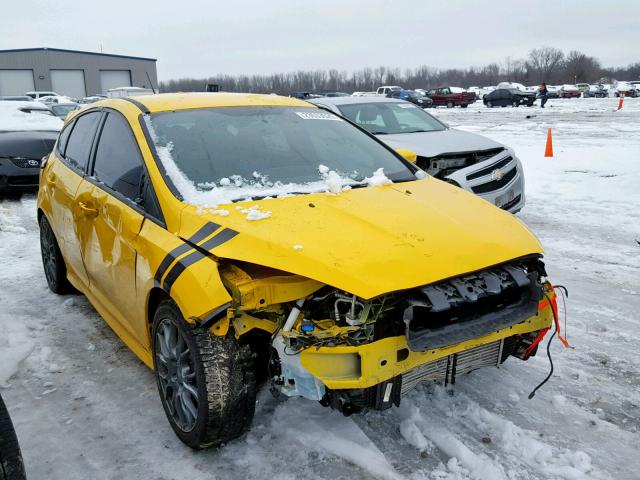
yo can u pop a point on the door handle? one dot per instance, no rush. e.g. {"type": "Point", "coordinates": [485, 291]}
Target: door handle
{"type": "Point", "coordinates": [87, 210]}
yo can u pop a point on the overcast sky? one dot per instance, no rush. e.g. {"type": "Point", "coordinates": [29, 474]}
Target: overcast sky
{"type": "Point", "coordinates": [198, 38]}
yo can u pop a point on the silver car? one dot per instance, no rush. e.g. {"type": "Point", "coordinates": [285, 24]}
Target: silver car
{"type": "Point", "coordinates": [475, 163]}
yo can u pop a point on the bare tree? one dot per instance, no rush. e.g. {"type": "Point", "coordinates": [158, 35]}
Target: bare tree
{"type": "Point", "coordinates": [579, 67]}
{"type": "Point", "coordinates": [545, 63]}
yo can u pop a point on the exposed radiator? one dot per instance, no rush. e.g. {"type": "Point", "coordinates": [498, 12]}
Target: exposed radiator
{"type": "Point", "coordinates": [446, 369]}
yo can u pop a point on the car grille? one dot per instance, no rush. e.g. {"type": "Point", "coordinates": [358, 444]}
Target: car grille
{"type": "Point", "coordinates": [489, 169]}
{"type": "Point", "coordinates": [446, 369]}
{"type": "Point", "coordinates": [495, 184]}
{"type": "Point", "coordinates": [443, 165]}
{"type": "Point", "coordinates": [25, 162]}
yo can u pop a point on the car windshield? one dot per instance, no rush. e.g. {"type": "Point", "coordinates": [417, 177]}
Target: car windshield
{"type": "Point", "coordinates": [219, 155]}
{"type": "Point", "coordinates": [391, 118]}
{"type": "Point", "coordinates": [514, 91]}
{"type": "Point", "coordinates": [62, 110]}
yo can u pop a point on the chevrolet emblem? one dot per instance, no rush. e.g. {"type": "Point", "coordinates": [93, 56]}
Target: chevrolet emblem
{"type": "Point", "coordinates": [497, 174]}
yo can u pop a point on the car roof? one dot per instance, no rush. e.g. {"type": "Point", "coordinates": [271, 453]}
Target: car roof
{"type": "Point", "coordinates": [183, 101]}
{"type": "Point", "coordinates": [354, 100]}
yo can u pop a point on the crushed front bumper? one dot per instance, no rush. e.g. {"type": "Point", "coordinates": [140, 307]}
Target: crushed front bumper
{"type": "Point", "coordinates": [392, 360]}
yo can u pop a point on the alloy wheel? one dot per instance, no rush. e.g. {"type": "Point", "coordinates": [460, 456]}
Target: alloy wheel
{"type": "Point", "coordinates": [176, 375]}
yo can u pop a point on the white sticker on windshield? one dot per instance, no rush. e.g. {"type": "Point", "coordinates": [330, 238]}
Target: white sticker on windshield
{"type": "Point", "coordinates": [406, 105]}
{"type": "Point", "coordinates": [318, 116]}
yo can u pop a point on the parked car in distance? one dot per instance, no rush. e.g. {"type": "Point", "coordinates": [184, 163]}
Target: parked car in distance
{"type": "Point", "coordinates": [25, 137]}
{"type": "Point", "coordinates": [569, 91]}
{"type": "Point", "coordinates": [129, 92]}
{"type": "Point", "coordinates": [53, 99]}
{"type": "Point", "coordinates": [470, 161]}
{"type": "Point", "coordinates": [412, 96]}
{"type": "Point", "coordinates": [41, 93]}
{"type": "Point", "coordinates": [16, 98]}
{"type": "Point", "coordinates": [61, 110]}
{"type": "Point", "coordinates": [595, 91]}
{"type": "Point", "coordinates": [445, 96]}
{"type": "Point", "coordinates": [350, 299]}
{"type": "Point", "coordinates": [91, 99]}
{"type": "Point", "coordinates": [386, 89]}
{"type": "Point", "coordinates": [553, 91]}
{"type": "Point", "coordinates": [335, 94]}
{"type": "Point", "coordinates": [503, 97]}
{"type": "Point", "coordinates": [624, 89]}
{"type": "Point", "coordinates": [304, 95]}
{"type": "Point", "coordinates": [583, 87]}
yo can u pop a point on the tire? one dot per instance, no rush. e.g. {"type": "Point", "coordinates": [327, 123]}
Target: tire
{"type": "Point", "coordinates": [11, 465]}
{"type": "Point", "coordinates": [450, 104]}
{"type": "Point", "coordinates": [55, 269]}
{"type": "Point", "coordinates": [515, 104]}
{"type": "Point", "coordinates": [489, 104]}
{"type": "Point", "coordinates": [217, 370]}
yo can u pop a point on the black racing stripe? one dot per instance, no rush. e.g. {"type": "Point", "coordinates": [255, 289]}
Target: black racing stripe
{"type": "Point", "coordinates": [185, 262]}
{"type": "Point", "coordinates": [169, 259]}
{"type": "Point", "coordinates": [180, 267]}
{"type": "Point", "coordinates": [138, 104]}
{"type": "Point", "coordinates": [197, 237]}
{"type": "Point", "coordinates": [222, 237]}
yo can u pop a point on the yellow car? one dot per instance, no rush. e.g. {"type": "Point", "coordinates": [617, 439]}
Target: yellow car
{"type": "Point", "coordinates": [231, 239]}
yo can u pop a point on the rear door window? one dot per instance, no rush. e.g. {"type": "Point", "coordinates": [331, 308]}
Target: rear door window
{"type": "Point", "coordinates": [118, 163]}
{"type": "Point", "coordinates": [78, 146]}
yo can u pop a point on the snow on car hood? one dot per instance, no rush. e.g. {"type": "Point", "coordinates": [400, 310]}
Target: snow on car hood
{"type": "Point", "coordinates": [370, 241]}
{"type": "Point", "coordinates": [431, 144]}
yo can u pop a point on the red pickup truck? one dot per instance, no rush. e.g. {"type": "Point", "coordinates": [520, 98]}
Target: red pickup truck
{"type": "Point", "coordinates": [445, 96]}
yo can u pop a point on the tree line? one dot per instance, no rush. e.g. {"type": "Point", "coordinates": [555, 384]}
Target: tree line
{"type": "Point", "coordinates": [545, 64]}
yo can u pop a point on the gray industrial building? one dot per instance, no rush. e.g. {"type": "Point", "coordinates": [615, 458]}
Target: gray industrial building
{"type": "Point", "coordinates": [73, 73]}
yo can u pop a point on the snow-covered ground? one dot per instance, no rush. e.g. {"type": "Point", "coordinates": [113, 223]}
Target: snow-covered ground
{"type": "Point", "coordinates": [84, 407]}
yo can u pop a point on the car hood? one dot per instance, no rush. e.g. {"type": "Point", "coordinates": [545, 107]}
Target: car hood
{"type": "Point", "coordinates": [431, 144]}
{"type": "Point", "coordinates": [370, 241]}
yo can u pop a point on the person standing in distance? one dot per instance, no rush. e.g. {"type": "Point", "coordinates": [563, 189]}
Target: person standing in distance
{"type": "Point", "coordinates": [542, 93]}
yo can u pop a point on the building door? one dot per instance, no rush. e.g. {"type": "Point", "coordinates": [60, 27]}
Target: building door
{"type": "Point", "coordinates": [69, 83]}
{"type": "Point", "coordinates": [16, 82]}
{"type": "Point", "coordinates": [114, 79]}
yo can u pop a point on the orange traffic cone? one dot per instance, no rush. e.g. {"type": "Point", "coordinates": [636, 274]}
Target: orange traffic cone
{"type": "Point", "coordinates": [548, 151]}
{"type": "Point", "coordinates": [620, 102]}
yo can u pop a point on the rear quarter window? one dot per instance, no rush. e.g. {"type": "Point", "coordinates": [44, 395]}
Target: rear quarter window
{"type": "Point", "coordinates": [78, 145]}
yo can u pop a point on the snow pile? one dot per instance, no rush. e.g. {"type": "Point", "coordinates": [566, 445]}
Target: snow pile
{"type": "Point", "coordinates": [14, 120]}
{"type": "Point", "coordinates": [15, 347]}
{"type": "Point", "coordinates": [254, 213]}
{"type": "Point", "coordinates": [378, 178]}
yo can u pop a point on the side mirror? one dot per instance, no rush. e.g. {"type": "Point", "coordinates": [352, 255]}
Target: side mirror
{"type": "Point", "coordinates": [408, 155]}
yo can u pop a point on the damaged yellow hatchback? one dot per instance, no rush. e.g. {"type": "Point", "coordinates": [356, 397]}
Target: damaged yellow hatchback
{"type": "Point", "coordinates": [234, 239]}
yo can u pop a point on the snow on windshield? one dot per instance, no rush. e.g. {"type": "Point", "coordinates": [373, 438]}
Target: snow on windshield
{"type": "Point", "coordinates": [235, 187]}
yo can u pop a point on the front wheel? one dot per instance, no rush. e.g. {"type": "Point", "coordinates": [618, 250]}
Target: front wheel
{"type": "Point", "coordinates": [206, 383]}
{"type": "Point", "coordinates": [450, 104]}
{"type": "Point", "coordinates": [489, 104]}
{"type": "Point", "coordinates": [515, 103]}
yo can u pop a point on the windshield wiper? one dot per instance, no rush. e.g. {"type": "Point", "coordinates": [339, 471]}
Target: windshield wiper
{"type": "Point", "coordinates": [379, 133]}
